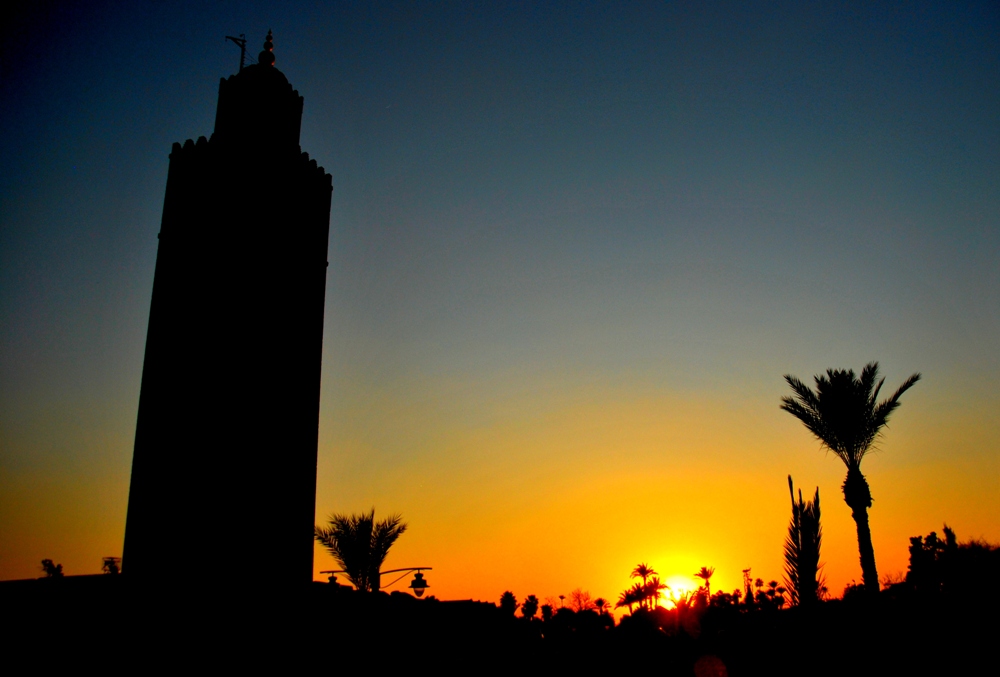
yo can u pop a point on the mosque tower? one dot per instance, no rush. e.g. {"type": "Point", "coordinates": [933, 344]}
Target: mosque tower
{"type": "Point", "coordinates": [223, 484]}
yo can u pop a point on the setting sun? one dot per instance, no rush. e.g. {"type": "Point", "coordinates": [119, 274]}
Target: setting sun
{"type": "Point", "coordinates": [680, 585]}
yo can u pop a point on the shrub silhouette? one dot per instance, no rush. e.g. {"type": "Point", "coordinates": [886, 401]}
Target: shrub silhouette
{"type": "Point", "coordinates": [949, 568]}
{"type": "Point", "coordinates": [51, 569]}
{"type": "Point", "coordinates": [579, 600]}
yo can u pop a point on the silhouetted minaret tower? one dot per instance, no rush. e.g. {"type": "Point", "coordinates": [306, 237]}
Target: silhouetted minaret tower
{"type": "Point", "coordinates": [224, 468]}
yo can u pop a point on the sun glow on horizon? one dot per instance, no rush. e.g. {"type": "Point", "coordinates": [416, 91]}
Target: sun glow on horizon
{"type": "Point", "coordinates": [680, 585]}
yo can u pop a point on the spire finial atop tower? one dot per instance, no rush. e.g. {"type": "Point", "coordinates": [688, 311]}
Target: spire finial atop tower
{"type": "Point", "coordinates": [266, 57]}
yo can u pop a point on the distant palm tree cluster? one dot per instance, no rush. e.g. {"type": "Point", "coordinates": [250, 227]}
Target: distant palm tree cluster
{"type": "Point", "coordinates": [644, 595]}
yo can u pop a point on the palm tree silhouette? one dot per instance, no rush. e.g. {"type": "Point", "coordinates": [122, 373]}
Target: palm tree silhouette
{"type": "Point", "coordinates": [643, 571]}
{"type": "Point", "coordinates": [652, 591]}
{"type": "Point", "coordinates": [530, 607]}
{"type": "Point", "coordinates": [845, 416]}
{"type": "Point", "coordinates": [705, 573]}
{"type": "Point", "coordinates": [360, 545]}
{"type": "Point", "coordinates": [632, 596]}
{"type": "Point", "coordinates": [802, 547]}
{"type": "Point", "coordinates": [508, 603]}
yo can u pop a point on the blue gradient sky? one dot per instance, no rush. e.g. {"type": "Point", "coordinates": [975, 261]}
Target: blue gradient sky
{"type": "Point", "coordinates": [574, 248]}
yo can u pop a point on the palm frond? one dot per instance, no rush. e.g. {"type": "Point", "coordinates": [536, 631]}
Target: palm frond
{"type": "Point", "coordinates": [802, 549]}
{"type": "Point", "coordinates": [360, 545]}
{"type": "Point", "coordinates": [881, 411]}
{"type": "Point", "coordinates": [643, 571]}
{"type": "Point", "coordinates": [843, 412]}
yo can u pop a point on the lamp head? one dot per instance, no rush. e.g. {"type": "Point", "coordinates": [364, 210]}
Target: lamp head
{"type": "Point", "coordinates": [418, 585]}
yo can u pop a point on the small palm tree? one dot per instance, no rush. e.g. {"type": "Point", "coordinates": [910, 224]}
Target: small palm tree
{"type": "Point", "coordinates": [846, 417]}
{"type": "Point", "coordinates": [360, 545]}
{"type": "Point", "coordinates": [652, 591]}
{"type": "Point", "coordinates": [802, 548]}
{"type": "Point", "coordinates": [705, 574]}
{"type": "Point", "coordinates": [643, 571]}
{"type": "Point", "coordinates": [632, 596]}
{"type": "Point", "coordinates": [772, 593]}
{"type": "Point", "coordinates": [530, 607]}
{"type": "Point", "coordinates": [508, 603]}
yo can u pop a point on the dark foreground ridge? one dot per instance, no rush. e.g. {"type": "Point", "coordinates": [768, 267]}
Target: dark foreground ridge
{"type": "Point", "coordinates": [78, 620]}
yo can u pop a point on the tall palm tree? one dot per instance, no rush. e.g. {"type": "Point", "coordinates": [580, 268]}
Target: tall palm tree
{"type": "Point", "coordinates": [705, 574]}
{"type": "Point", "coordinates": [360, 545]}
{"type": "Point", "coordinates": [845, 416]}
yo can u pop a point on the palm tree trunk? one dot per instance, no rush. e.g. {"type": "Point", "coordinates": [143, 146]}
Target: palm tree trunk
{"type": "Point", "coordinates": [858, 496]}
{"type": "Point", "coordinates": [869, 573]}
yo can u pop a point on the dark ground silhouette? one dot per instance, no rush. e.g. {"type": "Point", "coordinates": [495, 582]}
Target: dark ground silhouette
{"type": "Point", "coordinates": [79, 620]}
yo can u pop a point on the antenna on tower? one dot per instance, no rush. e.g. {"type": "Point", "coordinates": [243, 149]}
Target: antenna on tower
{"type": "Point", "coordinates": [242, 42]}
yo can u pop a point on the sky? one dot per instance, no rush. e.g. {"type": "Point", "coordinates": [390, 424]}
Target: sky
{"type": "Point", "coordinates": [574, 249]}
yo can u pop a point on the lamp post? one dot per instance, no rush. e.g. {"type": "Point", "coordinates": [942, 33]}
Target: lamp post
{"type": "Point", "coordinates": [417, 585]}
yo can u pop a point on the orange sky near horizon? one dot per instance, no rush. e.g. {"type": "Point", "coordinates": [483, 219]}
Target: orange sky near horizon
{"type": "Point", "coordinates": [573, 492]}
{"type": "Point", "coordinates": [580, 492]}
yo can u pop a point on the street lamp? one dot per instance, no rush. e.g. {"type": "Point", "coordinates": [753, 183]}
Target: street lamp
{"type": "Point", "coordinates": [417, 585]}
